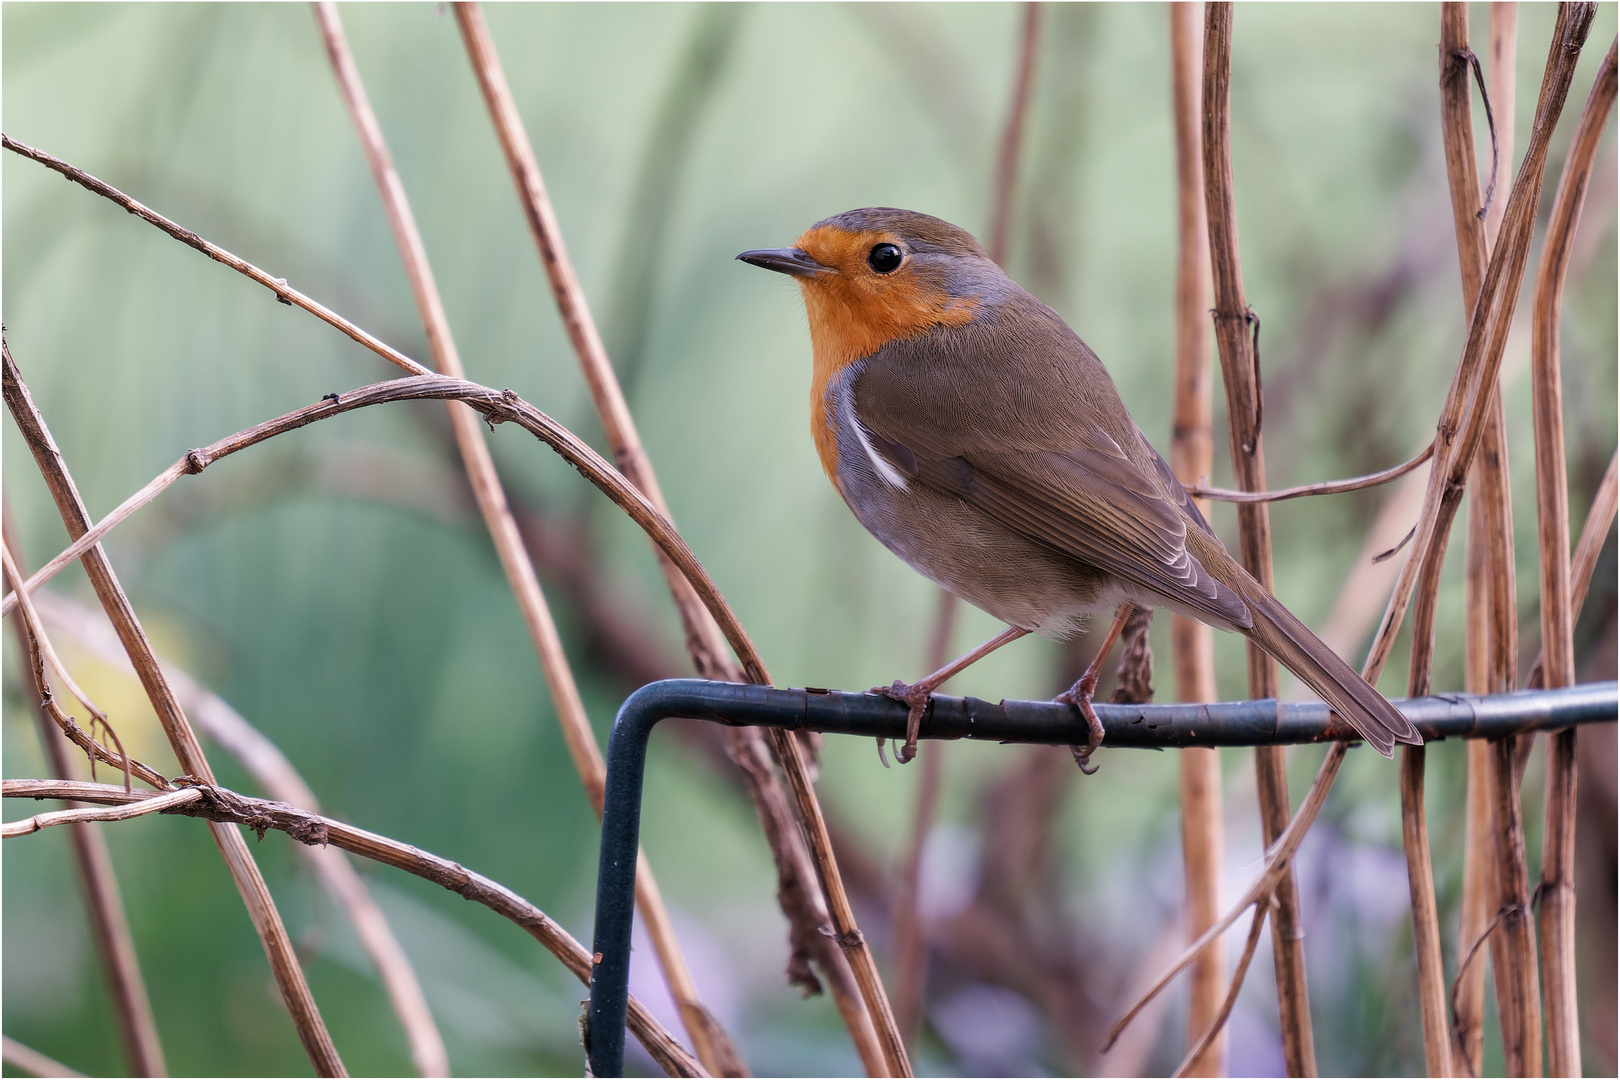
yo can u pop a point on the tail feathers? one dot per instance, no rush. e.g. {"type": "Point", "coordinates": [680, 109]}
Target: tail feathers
{"type": "Point", "coordinates": [1347, 693]}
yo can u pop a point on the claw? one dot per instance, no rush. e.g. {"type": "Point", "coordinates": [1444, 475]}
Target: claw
{"type": "Point", "coordinates": [1079, 695]}
{"type": "Point", "coordinates": [915, 697]}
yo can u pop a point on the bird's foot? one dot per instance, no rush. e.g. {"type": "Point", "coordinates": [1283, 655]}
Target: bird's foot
{"type": "Point", "coordinates": [1079, 695]}
{"type": "Point", "coordinates": [915, 697]}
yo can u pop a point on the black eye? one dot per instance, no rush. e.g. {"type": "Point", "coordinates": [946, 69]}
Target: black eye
{"type": "Point", "coordinates": [884, 258]}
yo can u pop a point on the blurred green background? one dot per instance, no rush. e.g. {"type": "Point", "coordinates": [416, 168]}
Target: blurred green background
{"type": "Point", "coordinates": [336, 588]}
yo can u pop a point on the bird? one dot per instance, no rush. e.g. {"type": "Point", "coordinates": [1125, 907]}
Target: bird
{"type": "Point", "coordinates": [973, 433]}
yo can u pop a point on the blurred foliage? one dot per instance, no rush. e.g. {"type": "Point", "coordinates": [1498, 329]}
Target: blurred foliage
{"type": "Point", "coordinates": [334, 587]}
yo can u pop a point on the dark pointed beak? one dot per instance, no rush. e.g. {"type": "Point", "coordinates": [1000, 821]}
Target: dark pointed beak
{"type": "Point", "coordinates": [786, 261]}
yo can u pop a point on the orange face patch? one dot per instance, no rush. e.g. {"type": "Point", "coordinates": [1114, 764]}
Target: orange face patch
{"type": "Point", "coordinates": [855, 311]}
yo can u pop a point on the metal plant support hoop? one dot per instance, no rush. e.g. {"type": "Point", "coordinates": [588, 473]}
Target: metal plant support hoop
{"type": "Point", "coordinates": [1146, 727]}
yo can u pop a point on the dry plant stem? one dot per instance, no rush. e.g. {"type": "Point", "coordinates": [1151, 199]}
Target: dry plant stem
{"type": "Point", "coordinates": [1192, 457]}
{"type": "Point", "coordinates": [703, 641]}
{"type": "Point", "coordinates": [115, 944]}
{"type": "Point", "coordinates": [279, 286]}
{"type": "Point", "coordinates": [222, 805]}
{"type": "Point", "coordinates": [502, 406]}
{"type": "Point", "coordinates": [31, 1061]}
{"type": "Point", "coordinates": [702, 636]}
{"type": "Point", "coordinates": [1325, 487]}
{"type": "Point", "coordinates": [492, 504]}
{"type": "Point", "coordinates": [1212, 1030]}
{"type": "Point", "coordinates": [848, 935]}
{"type": "Point", "coordinates": [233, 848]}
{"type": "Point", "coordinates": [1277, 866]}
{"type": "Point", "coordinates": [1517, 992]}
{"type": "Point", "coordinates": [1599, 519]}
{"type": "Point", "coordinates": [1487, 633]}
{"type": "Point", "coordinates": [1432, 996]}
{"type": "Point", "coordinates": [40, 653]}
{"type": "Point", "coordinates": [275, 775]}
{"type": "Point", "coordinates": [1556, 916]}
{"type": "Point", "coordinates": [150, 805]}
{"type": "Point", "coordinates": [1463, 417]}
{"type": "Point", "coordinates": [1232, 331]}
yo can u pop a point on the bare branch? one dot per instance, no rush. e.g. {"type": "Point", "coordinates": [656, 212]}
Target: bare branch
{"type": "Point", "coordinates": [1240, 371]}
{"type": "Point", "coordinates": [224, 806]}
{"type": "Point", "coordinates": [233, 848]}
{"type": "Point", "coordinates": [1323, 487]}
{"type": "Point", "coordinates": [279, 286]}
{"type": "Point", "coordinates": [141, 808]}
{"type": "Point", "coordinates": [1556, 917]}
{"type": "Point", "coordinates": [30, 1060]}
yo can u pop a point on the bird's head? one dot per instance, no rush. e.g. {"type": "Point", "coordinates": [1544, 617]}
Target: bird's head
{"type": "Point", "coordinates": [878, 275]}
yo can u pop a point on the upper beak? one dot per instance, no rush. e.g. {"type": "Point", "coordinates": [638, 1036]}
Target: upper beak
{"type": "Point", "coordinates": [786, 261]}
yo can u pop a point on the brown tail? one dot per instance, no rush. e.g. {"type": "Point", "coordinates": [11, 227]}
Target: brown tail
{"type": "Point", "coordinates": [1293, 645]}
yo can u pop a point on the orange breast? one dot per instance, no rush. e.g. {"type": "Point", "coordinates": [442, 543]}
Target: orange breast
{"type": "Point", "coordinates": [855, 312]}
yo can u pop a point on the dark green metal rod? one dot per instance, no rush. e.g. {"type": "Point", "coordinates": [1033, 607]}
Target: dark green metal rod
{"type": "Point", "coordinates": [1155, 727]}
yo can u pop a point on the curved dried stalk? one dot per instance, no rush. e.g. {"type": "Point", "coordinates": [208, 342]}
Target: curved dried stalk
{"type": "Point", "coordinates": [40, 653]}
{"type": "Point", "coordinates": [223, 806]}
{"type": "Point", "coordinates": [245, 873]}
{"type": "Point", "coordinates": [1490, 619]}
{"type": "Point", "coordinates": [141, 807]}
{"type": "Point", "coordinates": [1556, 917]}
{"type": "Point", "coordinates": [1241, 376]}
{"type": "Point", "coordinates": [1212, 1030]}
{"type": "Point", "coordinates": [1323, 487]}
{"type": "Point", "coordinates": [98, 882]}
{"type": "Point", "coordinates": [1462, 419]}
{"type": "Point", "coordinates": [498, 518]}
{"type": "Point", "coordinates": [1192, 457]}
{"type": "Point", "coordinates": [1599, 519]}
{"type": "Point", "coordinates": [886, 1052]}
{"type": "Point", "coordinates": [497, 406]}
{"type": "Point", "coordinates": [216, 720]}
{"type": "Point", "coordinates": [284, 293]}
{"type": "Point", "coordinates": [29, 1060]}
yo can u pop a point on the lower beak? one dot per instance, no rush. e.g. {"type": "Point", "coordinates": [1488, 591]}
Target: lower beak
{"type": "Point", "coordinates": [786, 261]}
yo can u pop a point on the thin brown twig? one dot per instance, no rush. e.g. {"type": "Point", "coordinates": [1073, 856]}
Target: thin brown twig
{"type": "Point", "coordinates": [503, 529]}
{"type": "Point", "coordinates": [875, 1036]}
{"type": "Point", "coordinates": [1240, 375]}
{"type": "Point", "coordinates": [245, 873]}
{"type": "Point", "coordinates": [41, 653]}
{"type": "Point", "coordinates": [1278, 857]}
{"type": "Point", "coordinates": [1192, 457]}
{"type": "Point", "coordinates": [149, 805]}
{"type": "Point", "coordinates": [1488, 631]}
{"type": "Point", "coordinates": [98, 882]}
{"type": "Point", "coordinates": [221, 805]}
{"type": "Point", "coordinates": [1556, 916]}
{"type": "Point", "coordinates": [1465, 971]}
{"type": "Point", "coordinates": [44, 653]}
{"type": "Point", "coordinates": [1560, 61]}
{"type": "Point", "coordinates": [284, 293]}
{"type": "Point", "coordinates": [1583, 564]}
{"type": "Point", "coordinates": [1462, 419]}
{"type": "Point", "coordinates": [1323, 487]}
{"type": "Point", "coordinates": [216, 720]}
{"type": "Point", "coordinates": [29, 1060]}
{"type": "Point", "coordinates": [1213, 1029]}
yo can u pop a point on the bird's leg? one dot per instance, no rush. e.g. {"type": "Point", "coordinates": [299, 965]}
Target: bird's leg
{"type": "Point", "coordinates": [916, 695]}
{"type": "Point", "coordinates": [1079, 695]}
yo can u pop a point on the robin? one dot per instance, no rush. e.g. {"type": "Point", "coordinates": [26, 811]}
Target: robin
{"type": "Point", "coordinates": [979, 439]}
